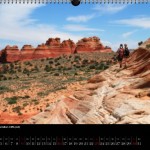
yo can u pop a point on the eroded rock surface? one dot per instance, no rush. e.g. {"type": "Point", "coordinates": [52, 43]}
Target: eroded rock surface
{"type": "Point", "coordinates": [115, 96]}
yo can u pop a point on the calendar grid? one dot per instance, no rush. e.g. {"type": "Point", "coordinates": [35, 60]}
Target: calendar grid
{"type": "Point", "coordinates": [70, 140]}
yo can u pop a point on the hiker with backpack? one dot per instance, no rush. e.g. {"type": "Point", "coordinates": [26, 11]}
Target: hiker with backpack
{"type": "Point", "coordinates": [120, 55]}
{"type": "Point", "coordinates": [123, 54]}
{"type": "Point", "coordinates": [126, 54]}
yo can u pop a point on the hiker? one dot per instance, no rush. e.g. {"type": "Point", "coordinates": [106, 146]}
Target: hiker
{"type": "Point", "coordinates": [120, 56]}
{"type": "Point", "coordinates": [126, 54]}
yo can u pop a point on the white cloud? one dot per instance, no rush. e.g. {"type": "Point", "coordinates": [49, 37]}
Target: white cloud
{"type": "Point", "coordinates": [109, 9]}
{"type": "Point", "coordinates": [106, 43]}
{"type": "Point", "coordinates": [80, 28]}
{"type": "Point", "coordinates": [127, 34]}
{"type": "Point", "coordinates": [81, 18]}
{"type": "Point", "coordinates": [142, 22]}
{"type": "Point", "coordinates": [17, 25]}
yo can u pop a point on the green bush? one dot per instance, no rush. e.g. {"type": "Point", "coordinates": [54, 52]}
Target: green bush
{"type": "Point", "coordinates": [25, 97]}
{"type": "Point", "coordinates": [26, 71]}
{"type": "Point", "coordinates": [92, 66]}
{"type": "Point", "coordinates": [3, 88]}
{"type": "Point", "coordinates": [12, 100]}
{"type": "Point", "coordinates": [36, 103]}
{"type": "Point", "coordinates": [25, 104]}
{"type": "Point", "coordinates": [19, 70]}
{"type": "Point", "coordinates": [4, 78]}
{"type": "Point", "coordinates": [57, 64]}
{"type": "Point", "coordinates": [17, 109]}
{"type": "Point", "coordinates": [148, 46]}
{"type": "Point", "coordinates": [140, 43]}
{"type": "Point", "coordinates": [56, 74]}
{"type": "Point", "coordinates": [9, 78]}
{"type": "Point", "coordinates": [85, 61]}
{"type": "Point", "coordinates": [47, 68]}
{"type": "Point", "coordinates": [51, 62]}
{"type": "Point", "coordinates": [42, 60]}
{"type": "Point", "coordinates": [12, 71]}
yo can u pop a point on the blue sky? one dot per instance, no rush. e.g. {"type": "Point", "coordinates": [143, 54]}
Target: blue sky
{"type": "Point", "coordinates": [113, 23]}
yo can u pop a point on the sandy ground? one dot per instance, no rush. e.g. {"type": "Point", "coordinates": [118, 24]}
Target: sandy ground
{"type": "Point", "coordinates": [8, 116]}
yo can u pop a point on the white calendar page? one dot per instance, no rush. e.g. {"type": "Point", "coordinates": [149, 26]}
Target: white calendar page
{"type": "Point", "coordinates": [51, 51]}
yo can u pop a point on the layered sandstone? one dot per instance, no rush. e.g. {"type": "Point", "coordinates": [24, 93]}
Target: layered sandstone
{"type": "Point", "coordinates": [91, 44]}
{"type": "Point", "coordinates": [27, 52]}
{"type": "Point", "coordinates": [52, 48]}
{"type": "Point", "coordinates": [144, 45]}
{"type": "Point", "coordinates": [115, 96]}
{"type": "Point", "coordinates": [10, 54]}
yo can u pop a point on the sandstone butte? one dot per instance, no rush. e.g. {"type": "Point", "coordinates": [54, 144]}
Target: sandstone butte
{"type": "Point", "coordinates": [115, 96]}
{"type": "Point", "coordinates": [52, 48]}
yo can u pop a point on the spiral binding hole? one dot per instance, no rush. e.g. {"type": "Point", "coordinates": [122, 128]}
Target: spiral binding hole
{"type": "Point", "coordinates": [69, 1]}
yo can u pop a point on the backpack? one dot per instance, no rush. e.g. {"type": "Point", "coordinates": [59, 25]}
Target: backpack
{"type": "Point", "coordinates": [126, 52]}
{"type": "Point", "coordinates": [121, 53]}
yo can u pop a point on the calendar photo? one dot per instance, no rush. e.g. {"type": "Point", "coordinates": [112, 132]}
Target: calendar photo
{"type": "Point", "coordinates": [74, 62]}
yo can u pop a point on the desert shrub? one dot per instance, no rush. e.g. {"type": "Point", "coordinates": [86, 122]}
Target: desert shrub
{"type": "Point", "coordinates": [106, 66]}
{"type": "Point", "coordinates": [17, 109]}
{"type": "Point", "coordinates": [56, 74]}
{"type": "Point", "coordinates": [9, 78]}
{"type": "Point", "coordinates": [12, 100]}
{"type": "Point", "coordinates": [47, 68]}
{"type": "Point", "coordinates": [1, 75]}
{"type": "Point", "coordinates": [12, 66]}
{"type": "Point", "coordinates": [26, 71]}
{"type": "Point", "coordinates": [25, 104]}
{"type": "Point", "coordinates": [4, 69]}
{"type": "Point", "coordinates": [42, 60]}
{"type": "Point", "coordinates": [41, 94]}
{"type": "Point", "coordinates": [59, 68]}
{"type": "Point", "coordinates": [77, 66]}
{"type": "Point", "coordinates": [69, 68]}
{"type": "Point", "coordinates": [11, 71]}
{"type": "Point", "coordinates": [36, 103]}
{"type": "Point", "coordinates": [4, 78]}
{"type": "Point", "coordinates": [92, 66]}
{"type": "Point", "coordinates": [36, 68]}
{"type": "Point", "coordinates": [57, 64]}
{"type": "Point", "coordinates": [77, 57]}
{"type": "Point", "coordinates": [19, 70]}
{"type": "Point", "coordinates": [85, 61]}
{"type": "Point", "coordinates": [34, 100]}
{"type": "Point", "coordinates": [3, 89]}
{"type": "Point", "coordinates": [25, 97]}
{"type": "Point", "coordinates": [28, 63]}
{"type": "Point", "coordinates": [148, 46]}
{"type": "Point", "coordinates": [47, 105]}
{"type": "Point", "coordinates": [51, 62]}
{"type": "Point", "coordinates": [56, 59]}
{"type": "Point", "coordinates": [140, 43]}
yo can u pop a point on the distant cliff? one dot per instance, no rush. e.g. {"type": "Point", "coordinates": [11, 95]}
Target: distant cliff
{"type": "Point", "coordinates": [52, 48]}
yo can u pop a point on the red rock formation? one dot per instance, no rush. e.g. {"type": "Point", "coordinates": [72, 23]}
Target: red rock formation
{"type": "Point", "coordinates": [52, 48]}
{"type": "Point", "coordinates": [41, 51]}
{"type": "Point", "coordinates": [91, 44]}
{"type": "Point", "coordinates": [144, 45]}
{"type": "Point", "coordinates": [10, 54]}
{"type": "Point", "coordinates": [53, 42]}
{"type": "Point", "coordinates": [27, 52]}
